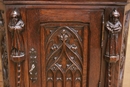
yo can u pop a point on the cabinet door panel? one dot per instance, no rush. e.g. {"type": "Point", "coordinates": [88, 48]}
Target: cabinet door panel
{"type": "Point", "coordinates": [65, 60]}
{"type": "Point", "coordinates": [68, 45]}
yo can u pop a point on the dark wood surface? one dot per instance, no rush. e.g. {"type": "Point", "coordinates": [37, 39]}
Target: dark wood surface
{"type": "Point", "coordinates": [65, 29]}
{"type": "Point", "coordinates": [75, 0]}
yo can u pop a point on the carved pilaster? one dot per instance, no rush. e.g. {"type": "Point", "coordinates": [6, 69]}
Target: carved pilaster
{"type": "Point", "coordinates": [113, 27]}
{"type": "Point", "coordinates": [17, 52]}
{"type": "Point", "coordinates": [4, 52]}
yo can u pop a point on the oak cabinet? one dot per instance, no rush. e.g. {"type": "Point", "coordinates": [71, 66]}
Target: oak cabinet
{"type": "Point", "coordinates": [65, 43]}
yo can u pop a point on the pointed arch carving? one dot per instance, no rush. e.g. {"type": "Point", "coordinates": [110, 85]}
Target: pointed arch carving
{"type": "Point", "coordinates": [64, 53]}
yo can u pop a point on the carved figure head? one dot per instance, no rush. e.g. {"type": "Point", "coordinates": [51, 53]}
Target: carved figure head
{"type": "Point", "coordinates": [15, 16]}
{"type": "Point", "coordinates": [15, 13]}
{"type": "Point", "coordinates": [115, 13]}
{"type": "Point", "coordinates": [115, 16]}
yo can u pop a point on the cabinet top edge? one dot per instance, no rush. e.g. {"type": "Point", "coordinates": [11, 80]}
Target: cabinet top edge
{"type": "Point", "coordinates": [62, 3]}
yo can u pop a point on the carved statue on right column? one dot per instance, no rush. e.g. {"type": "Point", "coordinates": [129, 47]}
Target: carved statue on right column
{"type": "Point", "coordinates": [113, 27]}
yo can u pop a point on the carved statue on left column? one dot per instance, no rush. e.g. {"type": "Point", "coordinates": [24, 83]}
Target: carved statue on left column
{"type": "Point", "coordinates": [16, 27]}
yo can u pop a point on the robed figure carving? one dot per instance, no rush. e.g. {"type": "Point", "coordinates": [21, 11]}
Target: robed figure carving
{"type": "Point", "coordinates": [16, 27]}
{"type": "Point", "coordinates": [113, 27]}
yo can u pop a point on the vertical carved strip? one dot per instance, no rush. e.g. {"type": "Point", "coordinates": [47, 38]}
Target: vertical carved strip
{"type": "Point", "coordinates": [18, 74]}
{"type": "Point", "coordinates": [113, 27]}
{"type": "Point", "coordinates": [109, 75]}
{"type": "Point", "coordinates": [33, 65]}
{"type": "Point", "coordinates": [102, 45]}
{"type": "Point", "coordinates": [5, 61]}
{"type": "Point", "coordinates": [4, 52]}
{"type": "Point", "coordinates": [103, 30]}
{"type": "Point", "coordinates": [16, 27]}
{"type": "Point", "coordinates": [123, 48]}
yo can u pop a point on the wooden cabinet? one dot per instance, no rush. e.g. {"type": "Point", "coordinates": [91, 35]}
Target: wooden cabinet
{"type": "Point", "coordinates": [65, 43]}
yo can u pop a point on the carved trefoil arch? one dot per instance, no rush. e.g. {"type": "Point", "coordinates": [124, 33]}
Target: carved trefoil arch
{"type": "Point", "coordinates": [64, 60]}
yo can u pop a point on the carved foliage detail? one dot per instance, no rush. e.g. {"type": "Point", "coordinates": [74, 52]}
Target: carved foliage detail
{"type": "Point", "coordinates": [64, 60]}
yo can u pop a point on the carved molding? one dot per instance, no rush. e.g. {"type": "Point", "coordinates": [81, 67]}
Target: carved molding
{"type": "Point", "coordinates": [33, 65]}
{"type": "Point", "coordinates": [123, 47]}
{"type": "Point", "coordinates": [113, 27]}
{"type": "Point", "coordinates": [5, 62]}
{"type": "Point", "coordinates": [4, 52]}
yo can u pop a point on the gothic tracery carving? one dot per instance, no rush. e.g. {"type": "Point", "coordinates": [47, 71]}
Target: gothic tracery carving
{"type": "Point", "coordinates": [64, 57]}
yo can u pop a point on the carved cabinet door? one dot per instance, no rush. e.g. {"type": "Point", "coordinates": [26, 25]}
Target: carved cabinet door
{"type": "Point", "coordinates": [64, 47]}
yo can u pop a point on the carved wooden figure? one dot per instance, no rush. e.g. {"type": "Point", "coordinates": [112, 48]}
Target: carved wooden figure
{"type": "Point", "coordinates": [16, 27]}
{"type": "Point", "coordinates": [114, 27]}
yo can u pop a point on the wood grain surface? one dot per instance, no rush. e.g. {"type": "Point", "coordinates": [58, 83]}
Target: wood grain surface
{"type": "Point", "coordinates": [45, 17]}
